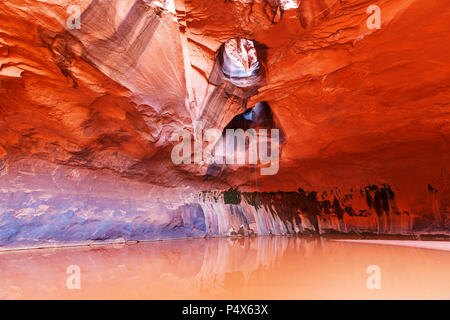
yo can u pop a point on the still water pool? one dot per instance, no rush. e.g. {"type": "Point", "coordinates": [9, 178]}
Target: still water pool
{"type": "Point", "coordinates": [255, 268]}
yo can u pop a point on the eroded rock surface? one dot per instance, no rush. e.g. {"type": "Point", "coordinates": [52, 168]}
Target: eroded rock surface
{"type": "Point", "coordinates": [87, 115]}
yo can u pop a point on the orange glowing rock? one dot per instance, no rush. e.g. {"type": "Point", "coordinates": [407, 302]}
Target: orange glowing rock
{"type": "Point", "coordinates": [86, 115]}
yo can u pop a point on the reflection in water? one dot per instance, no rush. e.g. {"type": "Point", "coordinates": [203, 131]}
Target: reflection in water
{"type": "Point", "coordinates": [244, 268]}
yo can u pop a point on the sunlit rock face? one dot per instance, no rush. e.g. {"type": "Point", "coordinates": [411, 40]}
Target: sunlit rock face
{"type": "Point", "coordinates": [240, 59]}
{"type": "Point", "coordinates": [87, 116]}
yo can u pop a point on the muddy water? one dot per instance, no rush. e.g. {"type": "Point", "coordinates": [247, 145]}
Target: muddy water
{"type": "Point", "coordinates": [258, 268]}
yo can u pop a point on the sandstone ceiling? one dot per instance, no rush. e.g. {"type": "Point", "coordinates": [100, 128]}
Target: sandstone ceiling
{"type": "Point", "coordinates": [90, 111]}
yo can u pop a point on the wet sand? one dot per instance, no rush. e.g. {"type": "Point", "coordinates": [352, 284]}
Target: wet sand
{"type": "Point", "coordinates": [238, 268]}
{"type": "Point", "coordinates": [436, 245]}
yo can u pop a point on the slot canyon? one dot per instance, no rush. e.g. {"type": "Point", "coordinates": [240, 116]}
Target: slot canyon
{"type": "Point", "coordinates": [88, 115]}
